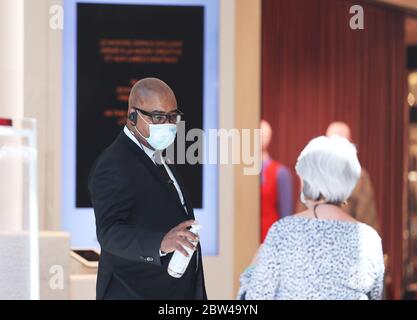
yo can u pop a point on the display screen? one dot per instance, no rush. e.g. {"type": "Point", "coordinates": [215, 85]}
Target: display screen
{"type": "Point", "coordinates": [88, 255]}
{"type": "Point", "coordinates": [118, 45]}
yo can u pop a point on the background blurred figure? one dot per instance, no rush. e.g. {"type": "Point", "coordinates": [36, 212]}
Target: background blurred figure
{"type": "Point", "coordinates": [361, 204]}
{"type": "Point", "coordinates": [276, 186]}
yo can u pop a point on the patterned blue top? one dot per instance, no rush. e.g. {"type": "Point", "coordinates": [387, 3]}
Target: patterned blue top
{"type": "Point", "coordinates": [313, 259]}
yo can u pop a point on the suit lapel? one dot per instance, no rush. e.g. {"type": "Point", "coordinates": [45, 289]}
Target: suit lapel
{"type": "Point", "coordinates": [186, 196]}
{"type": "Point", "coordinates": [150, 165]}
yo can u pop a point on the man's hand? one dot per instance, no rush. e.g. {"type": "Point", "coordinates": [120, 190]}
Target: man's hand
{"type": "Point", "coordinates": [178, 237]}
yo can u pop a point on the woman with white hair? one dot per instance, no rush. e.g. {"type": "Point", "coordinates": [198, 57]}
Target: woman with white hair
{"type": "Point", "coordinates": [322, 252]}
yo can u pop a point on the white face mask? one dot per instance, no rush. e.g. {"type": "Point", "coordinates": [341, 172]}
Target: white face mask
{"type": "Point", "coordinates": [161, 136]}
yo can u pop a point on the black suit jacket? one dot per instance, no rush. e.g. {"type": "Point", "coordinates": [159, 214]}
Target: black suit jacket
{"type": "Point", "coordinates": [134, 209]}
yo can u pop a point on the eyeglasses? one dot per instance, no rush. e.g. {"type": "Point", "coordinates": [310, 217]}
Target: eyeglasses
{"type": "Point", "coordinates": [173, 117]}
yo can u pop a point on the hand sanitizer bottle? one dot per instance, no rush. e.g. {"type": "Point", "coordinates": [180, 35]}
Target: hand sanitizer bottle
{"type": "Point", "coordinates": [179, 262]}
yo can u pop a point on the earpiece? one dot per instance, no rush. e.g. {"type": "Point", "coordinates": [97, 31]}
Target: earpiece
{"type": "Point", "coordinates": [133, 116]}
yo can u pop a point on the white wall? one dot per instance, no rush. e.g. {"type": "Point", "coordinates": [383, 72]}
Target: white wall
{"type": "Point", "coordinates": [42, 100]}
{"type": "Point", "coordinates": [11, 58]}
{"type": "Point", "coordinates": [221, 267]}
{"type": "Point", "coordinates": [30, 86]}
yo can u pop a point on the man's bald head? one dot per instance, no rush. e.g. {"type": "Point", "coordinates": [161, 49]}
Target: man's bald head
{"type": "Point", "coordinates": [340, 129]}
{"type": "Point", "coordinates": [266, 131]}
{"type": "Point", "coordinates": [152, 94]}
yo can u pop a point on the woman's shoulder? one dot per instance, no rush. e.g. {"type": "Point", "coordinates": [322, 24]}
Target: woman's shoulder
{"type": "Point", "coordinates": [286, 223]}
{"type": "Point", "coordinates": [278, 229]}
{"type": "Point", "coordinates": [369, 232]}
{"type": "Point", "coordinates": [297, 220]}
{"type": "Point", "coordinates": [302, 223]}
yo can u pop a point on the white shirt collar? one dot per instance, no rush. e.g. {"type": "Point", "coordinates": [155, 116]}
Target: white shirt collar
{"type": "Point", "coordinates": [151, 155]}
{"type": "Point", "coordinates": [149, 152]}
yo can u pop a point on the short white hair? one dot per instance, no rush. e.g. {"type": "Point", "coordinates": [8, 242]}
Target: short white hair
{"type": "Point", "coordinates": [329, 169]}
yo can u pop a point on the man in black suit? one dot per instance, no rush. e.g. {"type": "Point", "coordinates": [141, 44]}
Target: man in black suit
{"type": "Point", "coordinates": [143, 211]}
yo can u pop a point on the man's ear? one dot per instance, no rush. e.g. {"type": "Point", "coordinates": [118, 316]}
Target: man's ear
{"type": "Point", "coordinates": [133, 117]}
